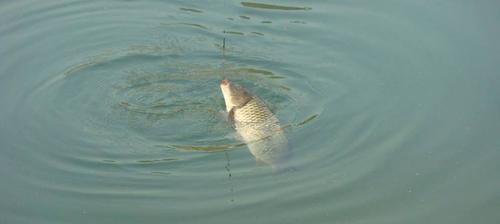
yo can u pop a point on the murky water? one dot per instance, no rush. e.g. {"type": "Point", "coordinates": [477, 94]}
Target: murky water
{"type": "Point", "coordinates": [110, 111]}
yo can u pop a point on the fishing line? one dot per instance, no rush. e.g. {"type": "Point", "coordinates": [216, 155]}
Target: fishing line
{"type": "Point", "coordinates": [224, 47]}
{"type": "Point", "coordinates": [223, 66]}
{"type": "Point", "coordinates": [229, 176]}
{"type": "Point", "coordinates": [223, 55]}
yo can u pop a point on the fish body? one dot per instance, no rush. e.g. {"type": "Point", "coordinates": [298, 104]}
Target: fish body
{"type": "Point", "coordinates": [257, 125]}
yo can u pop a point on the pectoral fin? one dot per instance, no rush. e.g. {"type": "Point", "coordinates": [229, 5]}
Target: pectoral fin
{"type": "Point", "coordinates": [230, 116]}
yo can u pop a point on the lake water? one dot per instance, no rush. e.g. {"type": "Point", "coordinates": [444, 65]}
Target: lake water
{"type": "Point", "coordinates": [110, 111]}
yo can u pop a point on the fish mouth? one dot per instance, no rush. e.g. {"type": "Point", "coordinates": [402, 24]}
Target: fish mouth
{"type": "Point", "coordinates": [224, 82]}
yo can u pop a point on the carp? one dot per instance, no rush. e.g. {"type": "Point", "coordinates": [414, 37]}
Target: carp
{"type": "Point", "coordinates": [257, 126]}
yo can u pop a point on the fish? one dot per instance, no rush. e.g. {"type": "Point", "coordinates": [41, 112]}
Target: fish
{"type": "Point", "coordinates": [257, 126]}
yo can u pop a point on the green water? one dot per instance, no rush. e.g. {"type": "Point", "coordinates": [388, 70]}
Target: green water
{"type": "Point", "coordinates": [110, 111]}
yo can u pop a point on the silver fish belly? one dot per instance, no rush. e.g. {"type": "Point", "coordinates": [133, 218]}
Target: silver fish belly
{"type": "Point", "coordinates": [261, 131]}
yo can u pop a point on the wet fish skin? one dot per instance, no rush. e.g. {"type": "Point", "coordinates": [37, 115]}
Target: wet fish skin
{"type": "Point", "coordinates": [257, 125]}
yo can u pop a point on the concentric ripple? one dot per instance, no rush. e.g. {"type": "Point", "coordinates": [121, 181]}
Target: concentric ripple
{"type": "Point", "coordinates": [150, 111]}
{"type": "Point", "coordinates": [142, 111]}
{"type": "Point", "coordinates": [130, 112]}
{"type": "Point", "coordinates": [111, 111]}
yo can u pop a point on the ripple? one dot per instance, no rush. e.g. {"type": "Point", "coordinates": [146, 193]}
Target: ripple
{"type": "Point", "coordinates": [260, 34]}
{"type": "Point", "coordinates": [234, 32]}
{"type": "Point", "coordinates": [191, 10]}
{"type": "Point", "coordinates": [186, 24]}
{"type": "Point", "coordinates": [136, 114]}
{"type": "Point", "coordinates": [147, 111]}
{"type": "Point", "coordinates": [208, 148]}
{"type": "Point", "coordinates": [119, 101]}
{"type": "Point", "coordinates": [272, 6]}
{"type": "Point", "coordinates": [145, 115]}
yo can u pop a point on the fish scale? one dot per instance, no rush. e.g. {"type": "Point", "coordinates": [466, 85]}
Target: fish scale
{"type": "Point", "coordinates": [256, 112]}
{"type": "Point", "coordinates": [257, 126]}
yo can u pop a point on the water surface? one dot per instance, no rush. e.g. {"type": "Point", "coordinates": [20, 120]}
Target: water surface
{"type": "Point", "coordinates": [110, 111]}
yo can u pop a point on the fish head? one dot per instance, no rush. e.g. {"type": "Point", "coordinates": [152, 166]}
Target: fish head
{"type": "Point", "coordinates": [234, 95]}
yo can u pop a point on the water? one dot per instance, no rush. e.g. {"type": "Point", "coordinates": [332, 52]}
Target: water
{"type": "Point", "coordinates": [110, 111]}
